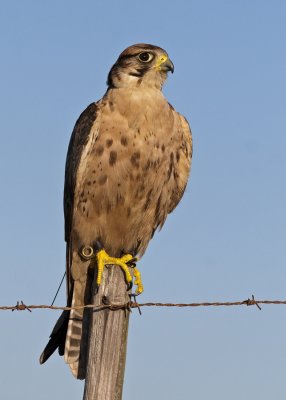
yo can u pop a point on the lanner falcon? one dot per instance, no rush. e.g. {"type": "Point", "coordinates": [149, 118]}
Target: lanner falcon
{"type": "Point", "coordinates": [127, 167]}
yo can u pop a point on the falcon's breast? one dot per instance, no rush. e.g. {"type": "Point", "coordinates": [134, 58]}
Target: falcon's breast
{"type": "Point", "coordinates": [131, 170]}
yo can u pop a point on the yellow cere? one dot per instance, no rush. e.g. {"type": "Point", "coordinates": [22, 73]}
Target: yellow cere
{"type": "Point", "coordinates": [160, 61]}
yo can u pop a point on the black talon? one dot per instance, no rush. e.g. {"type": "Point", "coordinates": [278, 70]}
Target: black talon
{"type": "Point", "coordinates": [132, 263]}
{"type": "Point", "coordinates": [129, 286]}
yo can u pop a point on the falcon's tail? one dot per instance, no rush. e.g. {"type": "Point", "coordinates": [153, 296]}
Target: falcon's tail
{"type": "Point", "coordinates": [57, 338]}
{"type": "Point", "coordinates": [76, 337]}
{"type": "Point", "coordinates": [70, 335]}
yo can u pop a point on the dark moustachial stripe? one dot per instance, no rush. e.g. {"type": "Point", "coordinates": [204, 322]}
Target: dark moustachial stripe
{"type": "Point", "coordinates": [137, 74]}
{"type": "Point", "coordinates": [140, 72]}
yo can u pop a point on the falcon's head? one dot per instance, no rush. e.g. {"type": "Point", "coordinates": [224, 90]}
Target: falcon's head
{"type": "Point", "coordinates": [140, 65]}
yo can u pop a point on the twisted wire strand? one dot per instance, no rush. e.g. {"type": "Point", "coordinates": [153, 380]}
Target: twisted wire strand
{"type": "Point", "coordinates": [20, 306]}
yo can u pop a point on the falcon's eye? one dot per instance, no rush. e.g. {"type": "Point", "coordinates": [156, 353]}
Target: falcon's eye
{"type": "Point", "coordinates": [145, 57]}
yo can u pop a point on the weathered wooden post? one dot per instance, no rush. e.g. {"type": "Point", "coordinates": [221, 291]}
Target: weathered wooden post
{"type": "Point", "coordinates": [107, 342]}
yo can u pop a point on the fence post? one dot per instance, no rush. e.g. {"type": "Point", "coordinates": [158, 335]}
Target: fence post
{"type": "Point", "coordinates": [107, 342]}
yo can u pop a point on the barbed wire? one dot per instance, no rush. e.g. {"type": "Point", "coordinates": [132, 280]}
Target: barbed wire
{"type": "Point", "coordinates": [21, 306]}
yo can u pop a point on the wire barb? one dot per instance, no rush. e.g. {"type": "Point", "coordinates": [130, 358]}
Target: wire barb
{"type": "Point", "coordinates": [134, 304]}
{"type": "Point", "coordinates": [252, 302]}
{"type": "Point", "coordinates": [20, 307]}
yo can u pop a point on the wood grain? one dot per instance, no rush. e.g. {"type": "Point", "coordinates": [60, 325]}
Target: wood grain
{"type": "Point", "coordinates": [107, 341]}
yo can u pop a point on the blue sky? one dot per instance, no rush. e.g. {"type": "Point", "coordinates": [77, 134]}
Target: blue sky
{"type": "Point", "coordinates": [225, 241]}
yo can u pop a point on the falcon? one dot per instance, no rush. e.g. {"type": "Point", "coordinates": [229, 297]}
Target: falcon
{"type": "Point", "coordinates": [127, 167]}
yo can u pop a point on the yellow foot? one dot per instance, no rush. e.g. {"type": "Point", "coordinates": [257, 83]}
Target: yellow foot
{"type": "Point", "coordinates": [104, 259]}
{"type": "Point", "coordinates": [138, 282]}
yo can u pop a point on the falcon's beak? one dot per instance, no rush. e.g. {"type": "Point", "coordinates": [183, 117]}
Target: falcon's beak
{"type": "Point", "coordinates": [165, 64]}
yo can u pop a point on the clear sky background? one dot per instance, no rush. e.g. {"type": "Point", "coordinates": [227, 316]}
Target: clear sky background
{"type": "Point", "coordinates": [226, 240]}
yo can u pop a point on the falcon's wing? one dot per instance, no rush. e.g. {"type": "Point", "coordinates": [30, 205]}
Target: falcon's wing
{"type": "Point", "coordinates": [183, 163]}
{"type": "Point", "coordinates": [85, 127]}
{"type": "Point", "coordinates": [178, 171]}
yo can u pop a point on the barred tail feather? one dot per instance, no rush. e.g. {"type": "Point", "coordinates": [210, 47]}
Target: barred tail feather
{"type": "Point", "coordinates": [70, 334]}
{"type": "Point", "coordinates": [74, 331]}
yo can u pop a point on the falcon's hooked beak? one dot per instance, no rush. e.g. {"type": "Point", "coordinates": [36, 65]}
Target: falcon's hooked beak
{"type": "Point", "coordinates": [165, 64]}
